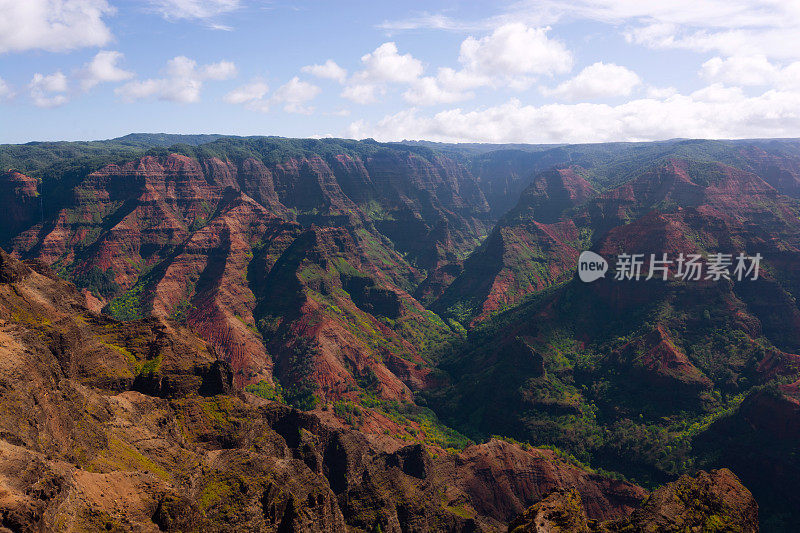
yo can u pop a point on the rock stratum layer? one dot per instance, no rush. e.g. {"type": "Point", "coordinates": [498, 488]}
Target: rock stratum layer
{"type": "Point", "coordinates": [331, 243]}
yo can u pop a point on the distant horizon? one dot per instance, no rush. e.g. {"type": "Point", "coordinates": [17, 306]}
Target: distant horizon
{"type": "Point", "coordinates": [403, 141]}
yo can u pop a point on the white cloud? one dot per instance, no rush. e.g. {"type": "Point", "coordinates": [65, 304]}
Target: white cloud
{"type": "Point", "coordinates": [181, 67]}
{"type": "Point", "coordinates": [775, 42]}
{"type": "Point", "coordinates": [707, 13]}
{"type": "Point", "coordinates": [385, 64]}
{"type": "Point", "coordinates": [251, 94]}
{"type": "Point", "coordinates": [461, 80]}
{"type": "Point", "coordinates": [103, 68]}
{"type": "Point", "coordinates": [294, 94]}
{"type": "Point", "coordinates": [428, 91]}
{"type": "Point", "coordinates": [172, 89]}
{"type": "Point", "coordinates": [515, 50]}
{"type": "Point", "coordinates": [53, 25]}
{"type": "Point", "coordinates": [751, 70]}
{"type": "Point", "coordinates": [224, 70]}
{"type": "Point", "coordinates": [48, 91]}
{"type": "Point", "coordinates": [713, 112]}
{"type": "Point", "coordinates": [382, 66]}
{"type": "Point", "coordinates": [329, 70]}
{"type": "Point", "coordinates": [5, 90]}
{"type": "Point", "coordinates": [789, 77]}
{"type": "Point", "coordinates": [660, 93]}
{"type": "Point", "coordinates": [599, 80]}
{"type": "Point", "coordinates": [363, 93]}
{"type": "Point", "coordinates": [511, 56]}
{"type": "Point", "coordinates": [729, 27]}
{"type": "Point", "coordinates": [718, 93]}
{"type": "Point", "coordinates": [431, 21]}
{"type": "Point", "coordinates": [207, 11]}
{"type": "Point", "coordinates": [182, 81]}
{"type": "Point", "coordinates": [740, 70]}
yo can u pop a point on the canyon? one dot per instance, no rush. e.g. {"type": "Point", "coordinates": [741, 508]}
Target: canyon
{"type": "Point", "coordinates": [296, 334]}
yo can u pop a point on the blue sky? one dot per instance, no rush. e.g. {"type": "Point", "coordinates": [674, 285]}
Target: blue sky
{"type": "Point", "coordinates": [521, 71]}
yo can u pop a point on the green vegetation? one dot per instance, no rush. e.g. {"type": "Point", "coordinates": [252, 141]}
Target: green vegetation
{"type": "Point", "coordinates": [100, 282]}
{"type": "Point", "coordinates": [593, 401]}
{"type": "Point", "coordinates": [434, 432]}
{"type": "Point", "coordinates": [301, 393]}
{"type": "Point", "coordinates": [348, 412]}
{"type": "Point", "coordinates": [266, 390]}
{"type": "Point", "coordinates": [129, 306]}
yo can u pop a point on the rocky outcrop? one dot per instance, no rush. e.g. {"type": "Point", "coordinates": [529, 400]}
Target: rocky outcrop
{"type": "Point", "coordinates": [11, 270]}
{"type": "Point", "coordinates": [19, 206]}
{"type": "Point", "coordinates": [661, 370]}
{"type": "Point", "coordinates": [333, 312]}
{"type": "Point", "coordinates": [551, 193]}
{"type": "Point", "coordinates": [559, 511]}
{"type": "Point", "coordinates": [710, 501]}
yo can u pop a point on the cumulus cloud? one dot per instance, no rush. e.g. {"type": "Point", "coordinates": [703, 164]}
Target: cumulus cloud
{"type": "Point", "coordinates": [329, 70]}
{"type": "Point", "coordinates": [182, 81]}
{"type": "Point", "coordinates": [48, 91]}
{"type": "Point", "coordinates": [363, 93]}
{"type": "Point", "coordinates": [428, 91]}
{"type": "Point", "coordinates": [460, 80]}
{"type": "Point", "coordinates": [513, 55]}
{"type": "Point", "coordinates": [386, 64]}
{"type": "Point", "coordinates": [717, 93]}
{"type": "Point", "coordinates": [295, 94]}
{"type": "Point", "coordinates": [515, 50]}
{"type": "Point", "coordinates": [224, 70]}
{"type": "Point", "coordinates": [599, 80]}
{"type": "Point", "coordinates": [206, 11]}
{"type": "Point", "coordinates": [660, 93]}
{"type": "Point", "coordinates": [713, 112]}
{"type": "Point", "coordinates": [382, 66]}
{"type": "Point", "coordinates": [790, 77]}
{"type": "Point", "coordinates": [103, 68]}
{"type": "Point", "coordinates": [251, 94]}
{"type": "Point", "coordinates": [751, 71]}
{"type": "Point", "coordinates": [740, 70]}
{"type": "Point", "coordinates": [53, 25]}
